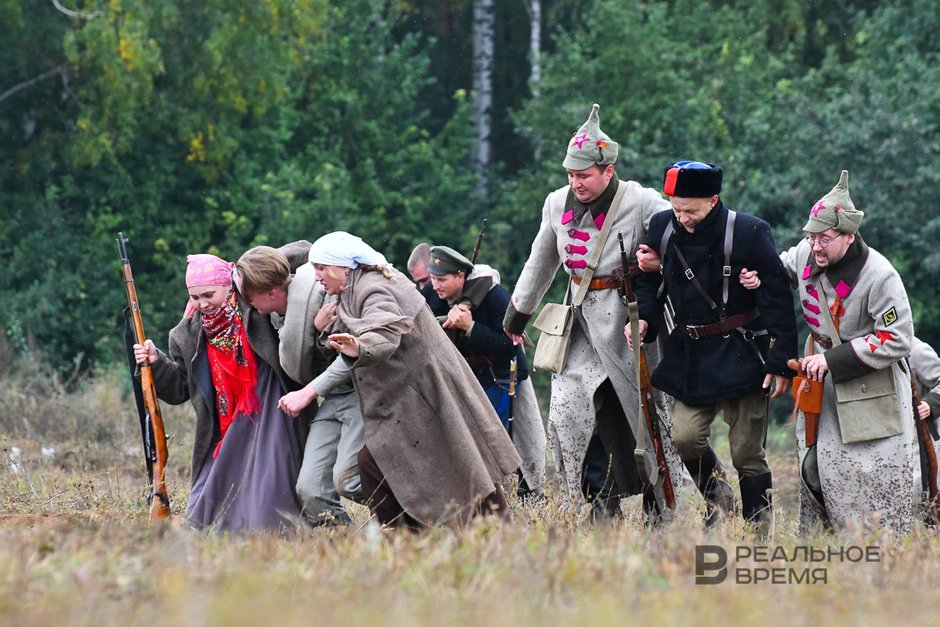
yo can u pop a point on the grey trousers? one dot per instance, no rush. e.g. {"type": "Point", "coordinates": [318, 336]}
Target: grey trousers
{"type": "Point", "coordinates": [330, 465]}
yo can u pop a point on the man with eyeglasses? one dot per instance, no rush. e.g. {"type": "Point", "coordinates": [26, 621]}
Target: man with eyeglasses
{"type": "Point", "coordinates": [860, 472]}
{"type": "Point", "coordinates": [728, 351]}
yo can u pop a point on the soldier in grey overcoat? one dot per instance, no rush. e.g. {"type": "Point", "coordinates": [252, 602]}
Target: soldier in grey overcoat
{"type": "Point", "coordinates": [858, 313]}
{"type": "Point", "coordinates": [597, 390]}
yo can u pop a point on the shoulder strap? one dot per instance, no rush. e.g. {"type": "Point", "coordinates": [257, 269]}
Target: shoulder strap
{"type": "Point", "coordinates": [725, 270]}
{"type": "Point", "coordinates": [664, 242]}
{"type": "Point", "coordinates": [599, 246]}
{"type": "Point", "coordinates": [831, 320]}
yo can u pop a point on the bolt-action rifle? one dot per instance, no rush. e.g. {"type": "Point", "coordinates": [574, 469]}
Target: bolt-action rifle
{"type": "Point", "coordinates": [145, 393]}
{"type": "Point", "coordinates": [928, 463]}
{"type": "Point", "coordinates": [476, 247]}
{"type": "Point", "coordinates": [654, 467]}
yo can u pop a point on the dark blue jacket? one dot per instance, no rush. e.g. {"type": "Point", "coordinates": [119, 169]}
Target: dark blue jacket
{"type": "Point", "coordinates": [488, 350]}
{"type": "Point", "coordinates": [703, 371]}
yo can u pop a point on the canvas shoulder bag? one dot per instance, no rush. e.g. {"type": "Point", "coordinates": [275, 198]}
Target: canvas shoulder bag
{"type": "Point", "coordinates": [867, 406]}
{"type": "Point", "coordinates": [555, 320]}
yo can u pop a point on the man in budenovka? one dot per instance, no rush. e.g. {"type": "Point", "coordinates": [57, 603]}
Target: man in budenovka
{"type": "Point", "coordinates": [596, 393]}
{"type": "Point", "coordinates": [729, 344]}
{"type": "Point", "coordinates": [471, 305]}
{"type": "Point", "coordinates": [861, 325]}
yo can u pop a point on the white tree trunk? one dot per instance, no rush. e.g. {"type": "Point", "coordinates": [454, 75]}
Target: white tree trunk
{"type": "Point", "coordinates": [484, 35]}
{"type": "Point", "coordinates": [534, 9]}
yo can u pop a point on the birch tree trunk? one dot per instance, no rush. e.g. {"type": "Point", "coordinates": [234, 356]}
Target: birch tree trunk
{"type": "Point", "coordinates": [484, 34]}
{"type": "Point", "coordinates": [534, 9]}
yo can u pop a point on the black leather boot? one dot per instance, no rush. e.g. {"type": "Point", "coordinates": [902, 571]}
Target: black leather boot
{"type": "Point", "coordinates": [598, 483]}
{"type": "Point", "coordinates": [652, 514]}
{"type": "Point", "coordinates": [756, 502]}
{"type": "Point", "coordinates": [709, 477]}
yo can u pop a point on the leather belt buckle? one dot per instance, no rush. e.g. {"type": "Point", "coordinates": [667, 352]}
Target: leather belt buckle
{"type": "Point", "coordinates": [692, 332]}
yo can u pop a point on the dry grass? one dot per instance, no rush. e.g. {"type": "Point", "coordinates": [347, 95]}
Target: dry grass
{"type": "Point", "coordinates": [76, 548]}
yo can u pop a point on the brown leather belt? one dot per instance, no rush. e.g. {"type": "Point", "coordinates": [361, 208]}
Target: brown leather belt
{"type": "Point", "coordinates": [823, 340]}
{"type": "Point", "coordinates": [599, 283]}
{"type": "Point", "coordinates": [724, 327]}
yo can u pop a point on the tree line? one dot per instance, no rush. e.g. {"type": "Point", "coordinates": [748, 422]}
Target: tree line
{"type": "Point", "coordinates": [217, 125]}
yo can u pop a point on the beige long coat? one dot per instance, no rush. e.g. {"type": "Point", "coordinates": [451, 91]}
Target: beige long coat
{"type": "Point", "coordinates": [428, 424]}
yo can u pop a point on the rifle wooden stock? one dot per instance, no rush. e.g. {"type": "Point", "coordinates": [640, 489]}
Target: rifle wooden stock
{"type": "Point", "coordinates": [153, 421]}
{"type": "Point", "coordinates": [930, 456]}
{"type": "Point", "coordinates": [625, 277]}
{"type": "Point", "coordinates": [652, 425]}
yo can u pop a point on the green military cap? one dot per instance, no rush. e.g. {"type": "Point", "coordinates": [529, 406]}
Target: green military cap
{"type": "Point", "coordinates": [835, 210]}
{"type": "Point", "coordinates": [446, 260]}
{"type": "Point", "coordinates": [590, 145]}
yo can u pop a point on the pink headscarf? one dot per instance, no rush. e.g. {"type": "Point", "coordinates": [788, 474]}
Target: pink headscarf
{"type": "Point", "coordinates": [206, 269]}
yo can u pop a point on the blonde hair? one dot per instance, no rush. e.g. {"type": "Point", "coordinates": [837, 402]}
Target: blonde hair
{"type": "Point", "coordinates": [263, 268]}
{"type": "Point", "coordinates": [385, 270]}
{"type": "Point", "coordinates": [328, 270]}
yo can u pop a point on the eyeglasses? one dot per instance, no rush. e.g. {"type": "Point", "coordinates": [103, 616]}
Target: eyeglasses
{"type": "Point", "coordinates": [822, 242]}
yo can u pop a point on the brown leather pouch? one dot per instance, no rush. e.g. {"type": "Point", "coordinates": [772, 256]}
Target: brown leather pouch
{"type": "Point", "coordinates": [807, 394]}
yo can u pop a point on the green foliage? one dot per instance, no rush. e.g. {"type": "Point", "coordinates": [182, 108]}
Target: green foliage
{"type": "Point", "coordinates": [211, 126]}
{"type": "Point", "coordinates": [217, 125]}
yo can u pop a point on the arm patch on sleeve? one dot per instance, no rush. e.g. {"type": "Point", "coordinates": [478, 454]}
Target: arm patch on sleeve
{"type": "Point", "coordinates": [889, 317]}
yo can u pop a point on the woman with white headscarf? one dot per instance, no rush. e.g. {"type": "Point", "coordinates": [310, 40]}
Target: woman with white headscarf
{"type": "Point", "coordinates": [434, 448]}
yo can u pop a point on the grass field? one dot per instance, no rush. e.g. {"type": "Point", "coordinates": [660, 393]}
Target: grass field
{"type": "Point", "coordinates": [76, 549]}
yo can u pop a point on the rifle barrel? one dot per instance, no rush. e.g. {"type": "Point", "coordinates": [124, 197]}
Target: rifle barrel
{"type": "Point", "coordinates": [153, 419]}
{"type": "Point", "coordinates": [476, 247]}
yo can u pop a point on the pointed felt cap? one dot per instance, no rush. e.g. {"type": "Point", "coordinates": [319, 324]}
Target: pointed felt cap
{"type": "Point", "coordinates": [835, 210]}
{"type": "Point", "coordinates": [590, 145]}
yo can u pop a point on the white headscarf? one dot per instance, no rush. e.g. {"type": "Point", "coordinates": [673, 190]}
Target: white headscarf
{"type": "Point", "coordinates": [344, 249]}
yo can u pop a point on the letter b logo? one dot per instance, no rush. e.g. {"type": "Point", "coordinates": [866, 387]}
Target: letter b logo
{"type": "Point", "coordinates": [708, 559]}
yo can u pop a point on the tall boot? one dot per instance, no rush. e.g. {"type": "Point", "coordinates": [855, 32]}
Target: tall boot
{"type": "Point", "coordinates": [756, 502]}
{"type": "Point", "coordinates": [710, 480]}
{"type": "Point", "coordinates": [599, 485]}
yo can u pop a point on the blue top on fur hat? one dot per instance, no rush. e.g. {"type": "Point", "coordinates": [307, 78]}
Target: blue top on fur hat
{"type": "Point", "coordinates": [692, 179]}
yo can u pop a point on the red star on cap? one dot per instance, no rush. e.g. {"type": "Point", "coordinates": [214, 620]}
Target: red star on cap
{"type": "Point", "coordinates": [579, 140]}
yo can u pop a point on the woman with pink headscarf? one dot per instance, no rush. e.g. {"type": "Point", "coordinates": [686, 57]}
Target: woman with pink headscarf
{"type": "Point", "coordinates": [223, 357]}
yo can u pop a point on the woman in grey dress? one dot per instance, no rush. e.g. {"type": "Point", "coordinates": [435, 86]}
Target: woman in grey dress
{"type": "Point", "coordinates": [223, 358]}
